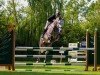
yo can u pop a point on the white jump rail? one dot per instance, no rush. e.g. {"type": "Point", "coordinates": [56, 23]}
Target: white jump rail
{"type": "Point", "coordinates": [50, 48]}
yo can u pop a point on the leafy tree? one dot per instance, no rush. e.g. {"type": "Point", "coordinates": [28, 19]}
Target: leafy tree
{"type": "Point", "coordinates": [30, 20]}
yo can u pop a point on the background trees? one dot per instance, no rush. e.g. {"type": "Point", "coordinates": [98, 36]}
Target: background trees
{"type": "Point", "coordinates": [30, 20]}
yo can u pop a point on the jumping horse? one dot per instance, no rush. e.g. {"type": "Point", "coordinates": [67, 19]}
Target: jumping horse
{"type": "Point", "coordinates": [51, 35]}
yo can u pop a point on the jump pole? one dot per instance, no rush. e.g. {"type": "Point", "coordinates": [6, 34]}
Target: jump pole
{"type": "Point", "coordinates": [95, 50]}
{"type": "Point", "coordinates": [87, 45]}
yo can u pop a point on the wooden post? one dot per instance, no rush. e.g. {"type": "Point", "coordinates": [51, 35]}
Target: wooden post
{"type": "Point", "coordinates": [9, 67]}
{"type": "Point", "coordinates": [87, 45]}
{"type": "Point", "coordinates": [95, 50]}
{"type": "Point", "coordinates": [13, 49]}
{"type": "Point", "coordinates": [11, 29]}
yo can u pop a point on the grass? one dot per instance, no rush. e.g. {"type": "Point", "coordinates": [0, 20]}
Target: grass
{"type": "Point", "coordinates": [50, 70]}
{"type": "Point", "coordinates": [49, 73]}
{"type": "Point", "coordinates": [68, 67]}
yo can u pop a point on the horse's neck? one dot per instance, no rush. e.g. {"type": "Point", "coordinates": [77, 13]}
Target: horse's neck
{"type": "Point", "coordinates": [52, 26]}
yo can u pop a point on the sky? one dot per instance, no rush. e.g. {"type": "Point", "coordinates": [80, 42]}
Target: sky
{"type": "Point", "coordinates": [23, 2]}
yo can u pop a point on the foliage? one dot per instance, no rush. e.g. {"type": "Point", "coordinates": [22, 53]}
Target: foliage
{"type": "Point", "coordinates": [30, 20]}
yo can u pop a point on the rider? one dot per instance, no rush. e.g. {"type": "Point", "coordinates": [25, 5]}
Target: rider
{"type": "Point", "coordinates": [51, 20]}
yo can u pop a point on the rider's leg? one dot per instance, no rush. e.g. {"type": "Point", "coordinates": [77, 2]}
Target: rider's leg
{"type": "Point", "coordinates": [60, 29]}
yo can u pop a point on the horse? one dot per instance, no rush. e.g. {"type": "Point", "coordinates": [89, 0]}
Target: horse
{"type": "Point", "coordinates": [51, 35]}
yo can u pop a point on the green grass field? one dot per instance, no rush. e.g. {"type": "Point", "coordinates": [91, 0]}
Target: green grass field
{"type": "Point", "coordinates": [50, 70]}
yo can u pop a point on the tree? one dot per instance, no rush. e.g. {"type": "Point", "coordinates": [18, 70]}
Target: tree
{"type": "Point", "coordinates": [2, 18]}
